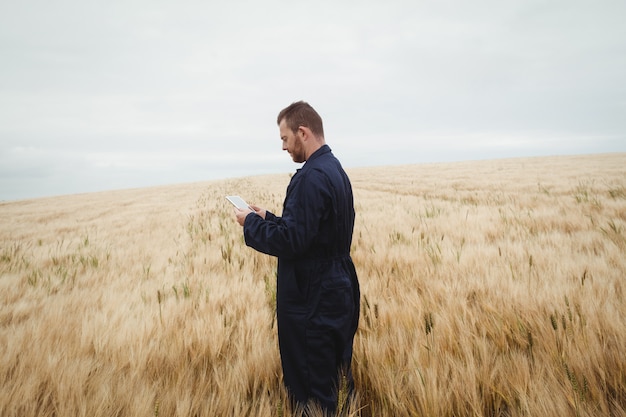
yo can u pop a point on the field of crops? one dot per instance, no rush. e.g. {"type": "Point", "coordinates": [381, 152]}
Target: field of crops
{"type": "Point", "coordinates": [489, 288]}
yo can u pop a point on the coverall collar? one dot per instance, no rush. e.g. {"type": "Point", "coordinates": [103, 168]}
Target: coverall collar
{"type": "Point", "coordinates": [321, 151]}
{"type": "Point", "coordinates": [324, 149]}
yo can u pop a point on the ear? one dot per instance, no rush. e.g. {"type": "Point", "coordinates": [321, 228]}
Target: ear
{"type": "Point", "coordinates": [303, 132]}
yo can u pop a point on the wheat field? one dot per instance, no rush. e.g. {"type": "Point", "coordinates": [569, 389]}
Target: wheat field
{"type": "Point", "coordinates": [489, 288]}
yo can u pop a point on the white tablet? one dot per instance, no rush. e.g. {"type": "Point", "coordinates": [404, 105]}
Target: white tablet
{"type": "Point", "coordinates": [238, 202]}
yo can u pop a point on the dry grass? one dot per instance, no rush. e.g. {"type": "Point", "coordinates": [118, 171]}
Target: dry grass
{"type": "Point", "coordinates": [491, 288]}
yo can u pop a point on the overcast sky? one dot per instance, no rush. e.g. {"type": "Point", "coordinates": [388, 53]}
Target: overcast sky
{"type": "Point", "coordinates": [99, 95]}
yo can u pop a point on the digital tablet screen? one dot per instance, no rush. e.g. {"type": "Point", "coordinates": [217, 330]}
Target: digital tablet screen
{"type": "Point", "coordinates": [238, 202]}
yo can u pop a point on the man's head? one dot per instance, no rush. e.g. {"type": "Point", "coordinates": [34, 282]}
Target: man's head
{"type": "Point", "coordinates": [302, 114]}
{"type": "Point", "coordinates": [301, 130]}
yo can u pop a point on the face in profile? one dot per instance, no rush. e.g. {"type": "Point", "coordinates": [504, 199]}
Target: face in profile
{"type": "Point", "coordinates": [292, 142]}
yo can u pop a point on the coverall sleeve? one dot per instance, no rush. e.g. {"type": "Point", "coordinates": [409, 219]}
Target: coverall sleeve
{"type": "Point", "coordinates": [271, 217]}
{"type": "Point", "coordinates": [294, 232]}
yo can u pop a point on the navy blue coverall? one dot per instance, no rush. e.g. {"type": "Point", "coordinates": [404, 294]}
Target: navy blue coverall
{"type": "Point", "coordinates": [317, 289]}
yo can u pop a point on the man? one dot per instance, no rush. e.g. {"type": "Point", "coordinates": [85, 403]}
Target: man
{"type": "Point", "coordinates": [317, 289]}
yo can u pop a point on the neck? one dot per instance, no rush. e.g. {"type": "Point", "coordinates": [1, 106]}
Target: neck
{"type": "Point", "coordinates": [314, 146]}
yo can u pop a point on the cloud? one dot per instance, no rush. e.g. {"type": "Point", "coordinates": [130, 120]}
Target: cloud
{"type": "Point", "coordinates": [146, 91]}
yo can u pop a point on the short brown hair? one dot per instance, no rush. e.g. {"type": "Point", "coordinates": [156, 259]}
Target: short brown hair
{"type": "Point", "coordinates": [299, 114]}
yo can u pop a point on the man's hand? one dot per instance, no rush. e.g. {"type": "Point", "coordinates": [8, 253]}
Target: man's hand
{"type": "Point", "coordinates": [242, 213]}
{"type": "Point", "coordinates": [259, 211]}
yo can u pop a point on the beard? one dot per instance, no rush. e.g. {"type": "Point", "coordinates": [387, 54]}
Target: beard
{"type": "Point", "coordinates": [297, 153]}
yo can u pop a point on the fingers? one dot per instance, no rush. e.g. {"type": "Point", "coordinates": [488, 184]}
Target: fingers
{"type": "Point", "coordinates": [241, 214]}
